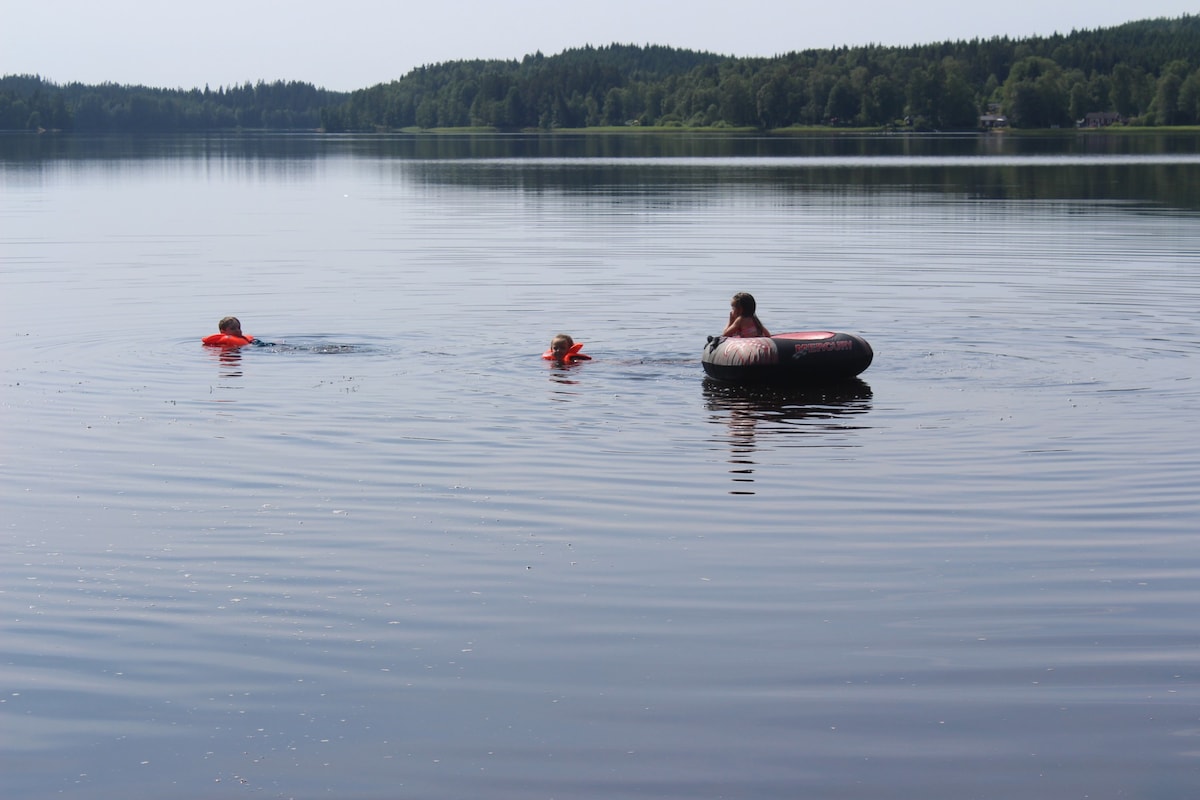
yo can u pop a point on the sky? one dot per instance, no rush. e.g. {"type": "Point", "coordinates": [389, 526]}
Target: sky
{"type": "Point", "coordinates": [354, 44]}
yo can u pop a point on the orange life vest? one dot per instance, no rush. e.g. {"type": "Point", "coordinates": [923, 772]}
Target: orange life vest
{"type": "Point", "coordinates": [226, 340]}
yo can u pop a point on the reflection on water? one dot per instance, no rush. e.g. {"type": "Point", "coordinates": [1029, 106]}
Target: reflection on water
{"type": "Point", "coordinates": [653, 145]}
{"type": "Point", "coordinates": [561, 374]}
{"type": "Point", "coordinates": [750, 412]}
{"type": "Point", "coordinates": [1149, 167]}
{"type": "Point", "coordinates": [1168, 181]}
{"type": "Point", "coordinates": [229, 360]}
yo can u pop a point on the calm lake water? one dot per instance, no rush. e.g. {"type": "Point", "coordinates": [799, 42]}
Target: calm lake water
{"type": "Point", "coordinates": [394, 554]}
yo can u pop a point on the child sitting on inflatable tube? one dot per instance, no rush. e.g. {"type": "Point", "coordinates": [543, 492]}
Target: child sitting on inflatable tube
{"type": "Point", "coordinates": [564, 350]}
{"type": "Point", "coordinates": [743, 322]}
{"type": "Point", "coordinates": [230, 336]}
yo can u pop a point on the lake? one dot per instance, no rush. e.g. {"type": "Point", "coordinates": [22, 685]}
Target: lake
{"type": "Point", "coordinates": [391, 552]}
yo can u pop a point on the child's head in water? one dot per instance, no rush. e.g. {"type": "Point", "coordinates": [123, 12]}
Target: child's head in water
{"type": "Point", "coordinates": [230, 325]}
{"type": "Point", "coordinates": [564, 349]}
{"type": "Point", "coordinates": [230, 336]}
{"type": "Point", "coordinates": [560, 345]}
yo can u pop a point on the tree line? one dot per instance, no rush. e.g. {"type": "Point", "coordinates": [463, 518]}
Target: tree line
{"type": "Point", "coordinates": [1144, 73]}
{"type": "Point", "coordinates": [27, 102]}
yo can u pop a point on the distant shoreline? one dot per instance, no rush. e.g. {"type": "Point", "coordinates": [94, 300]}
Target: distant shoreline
{"type": "Point", "coordinates": [665, 130]}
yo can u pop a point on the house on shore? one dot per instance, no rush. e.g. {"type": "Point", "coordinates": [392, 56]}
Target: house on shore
{"type": "Point", "coordinates": [994, 118]}
{"type": "Point", "coordinates": [1100, 119]}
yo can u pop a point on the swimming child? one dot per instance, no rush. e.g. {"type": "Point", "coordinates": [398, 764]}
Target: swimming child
{"type": "Point", "coordinates": [230, 336]}
{"type": "Point", "coordinates": [743, 322]}
{"type": "Point", "coordinates": [564, 349]}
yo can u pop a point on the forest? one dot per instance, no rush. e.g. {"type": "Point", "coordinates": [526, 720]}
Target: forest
{"type": "Point", "coordinates": [33, 104]}
{"type": "Point", "coordinates": [1144, 73]}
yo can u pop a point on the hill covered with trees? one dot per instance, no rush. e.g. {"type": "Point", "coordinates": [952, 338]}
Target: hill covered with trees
{"type": "Point", "coordinates": [30, 103]}
{"type": "Point", "coordinates": [1145, 73]}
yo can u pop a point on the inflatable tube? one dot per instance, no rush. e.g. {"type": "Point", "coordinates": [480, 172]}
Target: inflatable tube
{"type": "Point", "coordinates": [226, 340]}
{"type": "Point", "coordinates": [786, 358]}
{"type": "Point", "coordinates": [573, 354]}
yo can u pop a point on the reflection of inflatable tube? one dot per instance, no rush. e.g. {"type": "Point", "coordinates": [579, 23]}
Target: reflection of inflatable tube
{"type": "Point", "coordinates": [786, 358]}
{"type": "Point", "coordinates": [783, 403]}
{"type": "Point", "coordinates": [757, 416]}
{"type": "Point", "coordinates": [226, 341]}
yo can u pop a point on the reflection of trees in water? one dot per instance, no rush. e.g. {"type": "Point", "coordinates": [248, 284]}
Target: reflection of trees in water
{"type": "Point", "coordinates": [1054, 178]}
{"type": "Point", "coordinates": [985, 166]}
{"type": "Point", "coordinates": [821, 413]}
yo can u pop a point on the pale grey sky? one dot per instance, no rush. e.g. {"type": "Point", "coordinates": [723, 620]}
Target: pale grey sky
{"type": "Point", "coordinates": [354, 44]}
